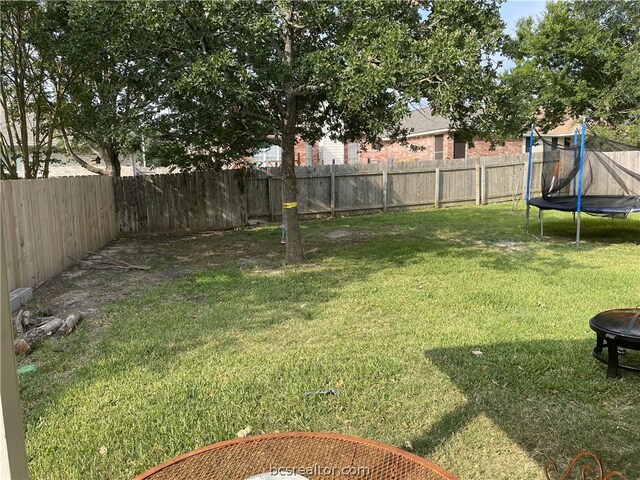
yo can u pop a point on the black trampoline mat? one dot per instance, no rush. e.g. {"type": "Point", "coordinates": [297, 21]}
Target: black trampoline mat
{"type": "Point", "coordinates": [598, 204]}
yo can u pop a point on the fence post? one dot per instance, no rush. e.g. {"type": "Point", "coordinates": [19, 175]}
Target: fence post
{"type": "Point", "coordinates": [13, 458]}
{"type": "Point", "coordinates": [385, 185]}
{"type": "Point", "coordinates": [437, 189]}
{"type": "Point", "coordinates": [483, 185]}
{"type": "Point", "coordinates": [333, 188]}
{"type": "Point", "coordinates": [477, 184]}
{"type": "Point", "coordinates": [272, 215]}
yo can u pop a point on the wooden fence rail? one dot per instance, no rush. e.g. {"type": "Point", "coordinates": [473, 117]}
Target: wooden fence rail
{"type": "Point", "coordinates": [44, 222]}
{"type": "Point", "coordinates": [329, 190]}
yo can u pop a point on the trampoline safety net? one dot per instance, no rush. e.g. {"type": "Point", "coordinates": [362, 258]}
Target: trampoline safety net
{"type": "Point", "coordinates": [610, 177]}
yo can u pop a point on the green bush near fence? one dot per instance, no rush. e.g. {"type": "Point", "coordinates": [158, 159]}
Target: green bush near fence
{"type": "Point", "coordinates": [449, 332]}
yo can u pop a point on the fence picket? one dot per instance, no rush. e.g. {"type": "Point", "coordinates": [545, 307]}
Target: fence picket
{"type": "Point", "coordinates": [46, 221]}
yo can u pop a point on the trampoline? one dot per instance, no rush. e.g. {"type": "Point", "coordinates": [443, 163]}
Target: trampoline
{"type": "Point", "coordinates": [596, 204]}
{"type": "Point", "coordinates": [592, 175]}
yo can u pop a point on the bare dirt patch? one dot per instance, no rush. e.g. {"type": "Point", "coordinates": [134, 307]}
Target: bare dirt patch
{"type": "Point", "coordinates": [509, 245]}
{"type": "Point", "coordinates": [83, 289]}
{"type": "Point", "coordinates": [338, 235]}
{"type": "Point", "coordinates": [86, 290]}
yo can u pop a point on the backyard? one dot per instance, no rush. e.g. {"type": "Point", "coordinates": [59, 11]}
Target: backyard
{"type": "Point", "coordinates": [446, 332]}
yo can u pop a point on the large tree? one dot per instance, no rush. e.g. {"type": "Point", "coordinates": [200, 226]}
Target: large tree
{"type": "Point", "coordinates": [85, 69]}
{"type": "Point", "coordinates": [246, 75]}
{"type": "Point", "coordinates": [581, 58]}
{"type": "Point", "coordinates": [32, 84]}
{"type": "Point", "coordinates": [112, 93]}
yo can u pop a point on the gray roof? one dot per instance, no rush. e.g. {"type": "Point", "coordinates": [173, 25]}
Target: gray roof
{"type": "Point", "coordinates": [421, 121]}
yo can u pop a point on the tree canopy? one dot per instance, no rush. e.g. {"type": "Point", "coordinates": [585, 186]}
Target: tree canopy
{"type": "Point", "coordinates": [112, 90]}
{"type": "Point", "coordinates": [581, 58]}
{"type": "Point", "coordinates": [30, 89]}
{"type": "Point", "coordinates": [354, 67]}
{"type": "Point", "coordinates": [245, 75]}
{"type": "Point", "coordinates": [216, 81]}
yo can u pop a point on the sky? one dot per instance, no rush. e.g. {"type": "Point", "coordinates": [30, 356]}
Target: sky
{"type": "Point", "coordinates": [512, 10]}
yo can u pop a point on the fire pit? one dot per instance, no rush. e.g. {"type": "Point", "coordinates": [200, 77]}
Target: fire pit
{"type": "Point", "coordinates": [616, 328]}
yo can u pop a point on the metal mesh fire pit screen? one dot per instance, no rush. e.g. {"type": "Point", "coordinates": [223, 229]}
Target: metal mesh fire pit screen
{"type": "Point", "coordinates": [308, 455]}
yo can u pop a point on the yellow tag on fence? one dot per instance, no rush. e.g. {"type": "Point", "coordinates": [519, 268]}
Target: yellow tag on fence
{"type": "Point", "coordinates": [290, 205]}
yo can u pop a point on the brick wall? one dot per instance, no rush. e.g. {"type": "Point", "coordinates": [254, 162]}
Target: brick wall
{"type": "Point", "coordinates": [401, 153]}
{"type": "Point", "coordinates": [315, 153]}
{"type": "Point", "coordinates": [482, 149]}
{"type": "Point", "coordinates": [299, 152]}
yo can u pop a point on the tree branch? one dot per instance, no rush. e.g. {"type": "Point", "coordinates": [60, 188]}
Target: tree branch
{"type": "Point", "coordinates": [84, 164]}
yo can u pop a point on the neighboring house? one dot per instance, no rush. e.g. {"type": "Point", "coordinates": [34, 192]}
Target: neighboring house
{"type": "Point", "coordinates": [68, 167]}
{"type": "Point", "coordinates": [429, 132]}
{"type": "Point", "coordinates": [4, 138]}
{"type": "Point", "coordinates": [325, 152]}
{"type": "Point", "coordinates": [562, 135]}
{"type": "Point", "coordinates": [61, 164]}
{"type": "Point", "coordinates": [436, 141]}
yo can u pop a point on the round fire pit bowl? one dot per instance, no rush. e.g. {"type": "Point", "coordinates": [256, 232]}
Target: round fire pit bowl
{"type": "Point", "coordinates": [616, 329]}
{"type": "Point", "coordinates": [300, 456]}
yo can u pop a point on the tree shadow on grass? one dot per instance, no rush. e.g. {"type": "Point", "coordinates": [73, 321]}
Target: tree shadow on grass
{"type": "Point", "coordinates": [202, 325]}
{"type": "Point", "coordinates": [394, 252]}
{"type": "Point", "coordinates": [550, 397]}
{"type": "Point", "coordinates": [157, 329]}
{"type": "Point", "coordinates": [224, 302]}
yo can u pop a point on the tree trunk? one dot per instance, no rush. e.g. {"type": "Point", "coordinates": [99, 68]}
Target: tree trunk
{"type": "Point", "coordinates": [53, 122]}
{"type": "Point", "coordinates": [112, 158]}
{"type": "Point", "coordinates": [34, 336]}
{"type": "Point", "coordinates": [294, 252]}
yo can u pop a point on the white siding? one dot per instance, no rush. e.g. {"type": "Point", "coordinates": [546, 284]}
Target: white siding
{"type": "Point", "coordinates": [353, 153]}
{"type": "Point", "coordinates": [330, 150]}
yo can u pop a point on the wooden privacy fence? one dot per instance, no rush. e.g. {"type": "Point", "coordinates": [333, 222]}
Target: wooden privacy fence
{"type": "Point", "coordinates": [183, 202]}
{"type": "Point", "coordinates": [360, 188]}
{"type": "Point", "coordinates": [45, 222]}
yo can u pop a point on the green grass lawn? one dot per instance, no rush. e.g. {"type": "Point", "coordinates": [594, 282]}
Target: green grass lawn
{"type": "Point", "coordinates": [387, 309]}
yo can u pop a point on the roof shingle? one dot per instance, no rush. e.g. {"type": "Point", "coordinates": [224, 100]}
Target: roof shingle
{"type": "Point", "coordinates": [421, 121]}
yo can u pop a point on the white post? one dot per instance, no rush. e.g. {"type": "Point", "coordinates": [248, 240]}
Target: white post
{"type": "Point", "coordinates": [385, 185]}
{"type": "Point", "coordinates": [483, 185]}
{"type": "Point", "coordinates": [133, 164]}
{"type": "Point", "coordinates": [333, 188]}
{"type": "Point", "coordinates": [144, 154]}
{"type": "Point", "coordinates": [13, 458]}
{"type": "Point", "coordinates": [477, 184]}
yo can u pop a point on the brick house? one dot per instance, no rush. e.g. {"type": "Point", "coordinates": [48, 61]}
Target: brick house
{"type": "Point", "coordinates": [429, 132]}
{"type": "Point", "coordinates": [563, 135]}
{"type": "Point", "coordinates": [437, 142]}
{"type": "Point", "coordinates": [325, 152]}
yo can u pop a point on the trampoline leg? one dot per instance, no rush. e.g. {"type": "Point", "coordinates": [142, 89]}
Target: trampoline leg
{"type": "Point", "coordinates": [541, 221]}
{"type": "Point", "coordinates": [526, 220]}
{"type": "Point", "coordinates": [578, 231]}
